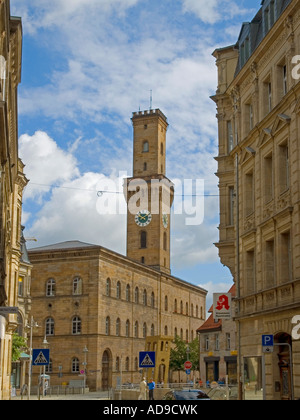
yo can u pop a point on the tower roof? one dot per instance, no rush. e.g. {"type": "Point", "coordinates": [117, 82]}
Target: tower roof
{"type": "Point", "coordinates": [149, 113]}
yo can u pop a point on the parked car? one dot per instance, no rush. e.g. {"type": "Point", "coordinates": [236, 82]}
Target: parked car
{"type": "Point", "coordinates": [186, 395]}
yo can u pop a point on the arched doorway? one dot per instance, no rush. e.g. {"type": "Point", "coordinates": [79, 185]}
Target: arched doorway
{"type": "Point", "coordinates": [283, 366]}
{"type": "Point", "coordinates": [106, 370]}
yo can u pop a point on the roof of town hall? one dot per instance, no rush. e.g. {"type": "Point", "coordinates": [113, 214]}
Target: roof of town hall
{"type": "Point", "coordinates": [210, 325]}
{"type": "Point", "coordinates": [63, 245]}
{"type": "Point", "coordinates": [75, 244]}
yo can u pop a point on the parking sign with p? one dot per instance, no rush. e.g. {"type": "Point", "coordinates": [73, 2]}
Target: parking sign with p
{"type": "Point", "coordinates": [268, 343]}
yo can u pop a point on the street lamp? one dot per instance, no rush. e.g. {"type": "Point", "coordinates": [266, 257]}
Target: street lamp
{"type": "Point", "coordinates": [32, 325]}
{"type": "Point", "coordinates": [85, 351]}
{"type": "Point", "coordinates": [45, 345]}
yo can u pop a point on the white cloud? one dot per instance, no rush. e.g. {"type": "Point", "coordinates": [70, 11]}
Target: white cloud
{"type": "Point", "coordinates": [213, 11]}
{"type": "Point", "coordinates": [207, 11]}
{"type": "Point", "coordinates": [67, 199]}
{"type": "Point", "coordinates": [71, 214]}
{"type": "Point", "coordinates": [46, 163]}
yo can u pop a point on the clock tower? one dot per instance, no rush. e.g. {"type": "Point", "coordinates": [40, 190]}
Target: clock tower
{"type": "Point", "coordinates": [149, 193]}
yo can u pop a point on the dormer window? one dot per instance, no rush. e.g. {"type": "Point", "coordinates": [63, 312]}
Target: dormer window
{"type": "Point", "coordinates": [269, 16]}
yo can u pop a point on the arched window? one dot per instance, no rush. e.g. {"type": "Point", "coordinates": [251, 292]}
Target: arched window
{"type": "Point", "coordinates": [144, 330]}
{"type": "Point", "coordinates": [145, 297]}
{"type": "Point", "coordinates": [118, 327]}
{"type": "Point", "coordinates": [108, 287]}
{"type": "Point", "coordinates": [128, 293]}
{"type": "Point", "coordinates": [187, 308]}
{"type": "Point", "coordinates": [75, 365]}
{"type": "Point", "coordinates": [127, 328]}
{"type": "Point", "coordinates": [143, 240]}
{"type": "Point", "coordinates": [50, 287]}
{"type": "Point", "coordinates": [136, 329]}
{"type": "Point", "coordinates": [181, 307]}
{"type": "Point", "coordinates": [161, 149]}
{"type": "Point", "coordinates": [136, 295]}
{"type": "Point", "coordinates": [152, 300]}
{"type": "Point", "coordinates": [166, 330]}
{"type": "Point", "coordinates": [77, 286]}
{"type": "Point", "coordinates": [166, 303]}
{"type": "Point", "coordinates": [192, 310]}
{"type": "Point", "coordinates": [145, 166]}
{"type": "Point", "coordinates": [145, 146]}
{"type": "Point", "coordinates": [175, 332]}
{"type": "Point", "coordinates": [152, 330]}
{"type": "Point", "coordinates": [118, 290]}
{"type": "Point", "coordinates": [107, 325]}
{"type": "Point", "coordinates": [175, 306]}
{"type": "Point", "coordinates": [127, 364]}
{"type": "Point", "coordinates": [76, 325]}
{"type": "Point", "coordinates": [49, 326]}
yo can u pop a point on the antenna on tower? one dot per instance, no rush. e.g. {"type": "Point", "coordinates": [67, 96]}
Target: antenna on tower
{"type": "Point", "coordinates": [150, 99]}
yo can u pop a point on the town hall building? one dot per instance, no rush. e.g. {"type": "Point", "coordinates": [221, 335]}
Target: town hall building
{"type": "Point", "coordinates": [96, 307]}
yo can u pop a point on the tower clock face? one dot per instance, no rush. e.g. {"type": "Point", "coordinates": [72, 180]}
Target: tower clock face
{"type": "Point", "coordinates": [143, 218]}
{"type": "Point", "coordinates": [165, 220]}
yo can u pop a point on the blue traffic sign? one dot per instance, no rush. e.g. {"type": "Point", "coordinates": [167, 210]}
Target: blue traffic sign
{"type": "Point", "coordinates": [268, 340]}
{"type": "Point", "coordinates": [40, 357]}
{"type": "Point", "coordinates": [188, 371]}
{"type": "Point", "coordinates": [147, 359]}
{"type": "Point", "coordinates": [268, 343]}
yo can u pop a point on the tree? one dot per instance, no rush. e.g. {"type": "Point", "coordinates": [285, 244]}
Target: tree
{"type": "Point", "coordinates": [18, 345]}
{"type": "Point", "coordinates": [178, 354]}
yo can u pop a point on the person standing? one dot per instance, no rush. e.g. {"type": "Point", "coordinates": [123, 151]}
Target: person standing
{"type": "Point", "coordinates": [143, 390]}
{"type": "Point", "coordinates": [151, 386]}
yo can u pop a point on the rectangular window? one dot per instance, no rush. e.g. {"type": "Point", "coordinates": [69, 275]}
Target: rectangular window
{"type": "Point", "coordinates": [206, 343]}
{"type": "Point", "coordinates": [228, 341]}
{"type": "Point", "coordinates": [270, 264]}
{"type": "Point", "coordinates": [249, 194]}
{"type": "Point", "coordinates": [250, 272]}
{"type": "Point", "coordinates": [267, 99]}
{"type": "Point", "coordinates": [248, 119]}
{"type": "Point", "coordinates": [231, 206]}
{"type": "Point", "coordinates": [285, 258]}
{"type": "Point", "coordinates": [284, 167]}
{"type": "Point", "coordinates": [268, 178]}
{"type": "Point", "coordinates": [270, 96]}
{"type": "Point", "coordinates": [21, 286]}
{"type": "Point", "coordinates": [230, 144]}
{"type": "Point", "coordinates": [284, 79]}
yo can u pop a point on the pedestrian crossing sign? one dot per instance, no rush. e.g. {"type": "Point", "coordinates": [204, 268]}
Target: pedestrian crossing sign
{"type": "Point", "coordinates": [147, 359]}
{"type": "Point", "coordinates": [40, 357]}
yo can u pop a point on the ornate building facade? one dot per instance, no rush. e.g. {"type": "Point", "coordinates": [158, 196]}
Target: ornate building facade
{"type": "Point", "coordinates": [258, 102]}
{"type": "Point", "coordinates": [86, 297]}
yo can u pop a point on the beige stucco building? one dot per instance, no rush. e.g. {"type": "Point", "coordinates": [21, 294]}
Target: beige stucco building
{"type": "Point", "coordinates": [12, 184]}
{"type": "Point", "coordinates": [87, 297]}
{"type": "Point", "coordinates": [258, 103]}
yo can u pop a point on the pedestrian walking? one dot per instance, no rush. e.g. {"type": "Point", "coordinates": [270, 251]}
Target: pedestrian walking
{"type": "Point", "coordinates": [151, 386]}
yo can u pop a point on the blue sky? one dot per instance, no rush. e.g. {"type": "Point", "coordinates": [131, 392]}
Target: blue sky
{"type": "Point", "coordinates": [87, 65]}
